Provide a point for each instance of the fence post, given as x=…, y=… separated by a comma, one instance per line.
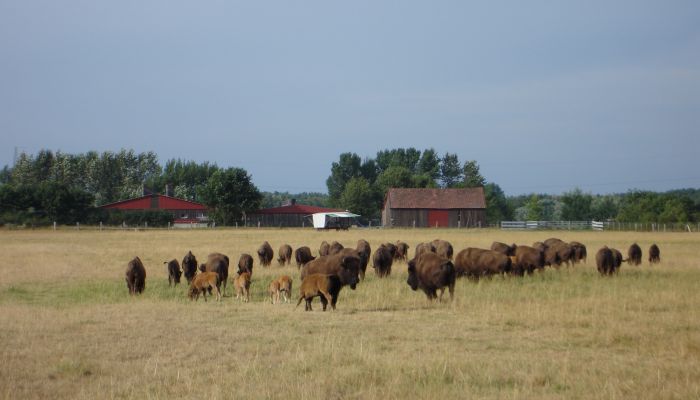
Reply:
x=168, y=225
x=54, y=225
x=145, y=224
x=100, y=226
x=77, y=225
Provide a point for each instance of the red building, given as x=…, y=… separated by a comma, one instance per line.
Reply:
x=444, y=208
x=289, y=215
x=184, y=211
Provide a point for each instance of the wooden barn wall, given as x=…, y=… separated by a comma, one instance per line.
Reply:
x=404, y=217
x=279, y=220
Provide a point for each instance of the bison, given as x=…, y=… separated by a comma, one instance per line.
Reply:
x=242, y=285
x=617, y=258
x=504, y=248
x=579, y=252
x=302, y=255
x=335, y=248
x=217, y=262
x=245, y=264
x=475, y=263
x=382, y=261
x=284, y=255
x=364, y=250
x=654, y=254
x=174, y=272
x=324, y=249
x=206, y=281
x=423, y=248
x=431, y=272
x=605, y=261
x=189, y=266
x=344, y=265
x=527, y=259
x=443, y=248
x=320, y=285
x=265, y=254
x=634, y=254
x=135, y=276
x=401, y=251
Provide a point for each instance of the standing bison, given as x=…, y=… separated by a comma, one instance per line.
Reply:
x=382, y=261
x=605, y=261
x=265, y=254
x=423, y=248
x=401, y=251
x=527, y=259
x=345, y=266
x=654, y=254
x=634, y=254
x=364, y=250
x=174, y=272
x=217, y=262
x=245, y=264
x=335, y=248
x=302, y=255
x=135, y=276
x=579, y=252
x=284, y=255
x=189, y=266
x=430, y=273
x=475, y=263
x=324, y=249
x=504, y=248
x=443, y=248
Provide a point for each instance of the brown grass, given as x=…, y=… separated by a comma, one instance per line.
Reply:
x=69, y=329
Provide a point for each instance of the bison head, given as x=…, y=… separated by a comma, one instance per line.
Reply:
x=412, y=276
x=203, y=267
x=192, y=292
x=350, y=271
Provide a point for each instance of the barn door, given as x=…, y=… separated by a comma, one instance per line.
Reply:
x=438, y=218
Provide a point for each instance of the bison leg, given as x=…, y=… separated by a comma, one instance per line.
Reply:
x=308, y=304
x=218, y=293
x=324, y=302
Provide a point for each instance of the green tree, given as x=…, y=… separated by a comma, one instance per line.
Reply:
x=496, y=204
x=394, y=177
x=576, y=206
x=429, y=164
x=230, y=193
x=534, y=209
x=359, y=198
x=472, y=176
x=604, y=208
x=348, y=167
x=450, y=170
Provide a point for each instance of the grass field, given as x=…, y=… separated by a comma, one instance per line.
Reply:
x=69, y=329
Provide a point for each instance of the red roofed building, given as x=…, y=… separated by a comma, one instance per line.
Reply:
x=184, y=211
x=289, y=215
x=453, y=208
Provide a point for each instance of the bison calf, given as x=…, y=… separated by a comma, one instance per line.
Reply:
x=319, y=285
x=135, y=276
x=242, y=285
x=206, y=281
x=174, y=272
x=283, y=286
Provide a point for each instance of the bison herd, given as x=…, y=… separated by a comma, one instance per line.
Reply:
x=432, y=269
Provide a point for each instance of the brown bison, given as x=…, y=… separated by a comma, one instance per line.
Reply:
x=401, y=251
x=564, y=253
x=504, y=248
x=654, y=254
x=302, y=255
x=284, y=255
x=382, y=261
x=617, y=258
x=206, y=281
x=189, y=266
x=265, y=254
x=242, y=285
x=423, y=248
x=364, y=250
x=475, y=263
x=335, y=248
x=634, y=254
x=579, y=252
x=324, y=249
x=320, y=285
x=245, y=264
x=527, y=259
x=174, y=272
x=443, y=248
x=605, y=261
x=135, y=276
x=217, y=262
x=344, y=265
x=551, y=241
x=431, y=272
x=283, y=286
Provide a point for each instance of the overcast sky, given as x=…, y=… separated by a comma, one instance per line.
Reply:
x=545, y=95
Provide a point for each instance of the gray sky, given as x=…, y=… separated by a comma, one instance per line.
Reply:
x=545, y=95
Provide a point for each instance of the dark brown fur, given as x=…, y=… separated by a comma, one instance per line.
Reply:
x=580, y=253
x=504, y=248
x=174, y=272
x=401, y=251
x=527, y=260
x=217, y=262
x=382, y=261
x=135, y=276
x=265, y=254
x=245, y=264
x=605, y=261
x=475, y=263
x=302, y=255
x=443, y=248
x=284, y=255
x=364, y=250
x=430, y=273
x=344, y=265
x=189, y=266
x=654, y=254
x=634, y=254
x=335, y=248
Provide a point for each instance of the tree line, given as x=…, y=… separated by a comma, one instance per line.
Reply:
x=68, y=188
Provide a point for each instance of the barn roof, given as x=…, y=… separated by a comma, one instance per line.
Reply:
x=436, y=198
x=155, y=201
x=295, y=209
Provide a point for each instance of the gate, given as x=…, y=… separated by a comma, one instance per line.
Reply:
x=438, y=218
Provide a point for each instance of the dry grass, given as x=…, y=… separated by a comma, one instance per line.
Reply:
x=69, y=329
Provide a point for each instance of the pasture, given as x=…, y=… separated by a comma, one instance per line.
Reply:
x=69, y=329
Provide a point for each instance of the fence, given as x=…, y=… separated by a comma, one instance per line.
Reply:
x=600, y=226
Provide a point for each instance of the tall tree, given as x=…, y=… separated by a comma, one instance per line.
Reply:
x=394, y=177
x=231, y=194
x=576, y=206
x=534, y=209
x=429, y=164
x=348, y=167
x=450, y=170
x=472, y=176
x=358, y=197
x=496, y=204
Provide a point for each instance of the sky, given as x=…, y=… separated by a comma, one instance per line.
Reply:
x=545, y=95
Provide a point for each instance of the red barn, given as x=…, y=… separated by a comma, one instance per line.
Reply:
x=445, y=208
x=184, y=211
